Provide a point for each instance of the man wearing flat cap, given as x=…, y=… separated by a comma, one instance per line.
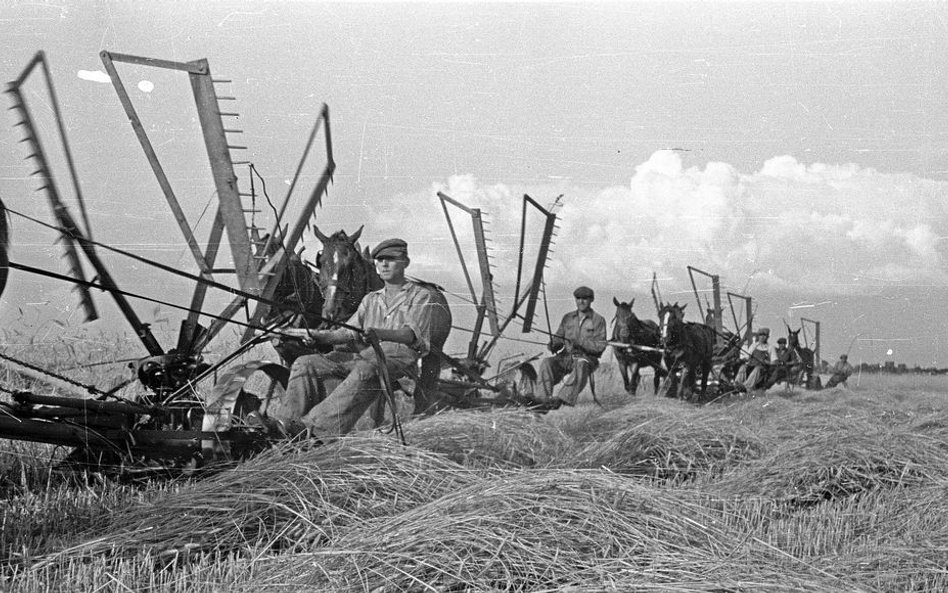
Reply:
x=410, y=320
x=758, y=359
x=841, y=372
x=781, y=366
x=577, y=345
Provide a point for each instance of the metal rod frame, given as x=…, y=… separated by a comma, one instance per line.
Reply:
x=486, y=305
x=715, y=294
x=817, y=361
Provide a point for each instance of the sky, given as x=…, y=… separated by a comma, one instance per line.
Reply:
x=799, y=151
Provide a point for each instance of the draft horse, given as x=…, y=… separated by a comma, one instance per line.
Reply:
x=688, y=352
x=629, y=329
x=298, y=303
x=346, y=274
x=800, y=361
x=313, y=299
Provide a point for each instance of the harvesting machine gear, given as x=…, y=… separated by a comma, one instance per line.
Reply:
x=173, y=425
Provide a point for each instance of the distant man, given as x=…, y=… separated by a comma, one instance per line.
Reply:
x=757, y=361
x=781, y=350
x=577, y=345
x=781, y=368
x=841, y=372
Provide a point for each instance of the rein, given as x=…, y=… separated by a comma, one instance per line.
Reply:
x=360, y=279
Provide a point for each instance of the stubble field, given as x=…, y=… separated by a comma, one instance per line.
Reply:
x=838, y=490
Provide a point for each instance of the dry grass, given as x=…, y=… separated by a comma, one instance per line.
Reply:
x=507, y=438
x=542, y=530
x=293, y=496
x=841, y=490
x=842, y=460
x=670, y=449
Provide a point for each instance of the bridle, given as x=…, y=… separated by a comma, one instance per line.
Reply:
x=338, y=285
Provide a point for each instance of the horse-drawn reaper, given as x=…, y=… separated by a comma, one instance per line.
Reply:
x=192, y=411
x=796, y=368
x=688, y=352
x=682, y=352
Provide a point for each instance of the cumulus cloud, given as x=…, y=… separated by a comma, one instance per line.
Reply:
x=811, y=228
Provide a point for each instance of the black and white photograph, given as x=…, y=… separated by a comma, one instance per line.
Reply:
x=473, y=296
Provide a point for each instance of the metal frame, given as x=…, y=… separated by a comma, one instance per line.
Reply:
x=533, y=289
x=817, y=360
x=131, y=430
x=257, y=273
x=715, y=294
x=530, y=295
x=71, y=234
x=748, y=315
x=486, y=303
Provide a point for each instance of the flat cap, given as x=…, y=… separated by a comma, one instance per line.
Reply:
x=391, y=248
x=782, y=341
x=764, y=331
x=583, y=292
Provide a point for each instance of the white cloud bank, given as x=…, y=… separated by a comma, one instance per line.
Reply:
x=814, y=228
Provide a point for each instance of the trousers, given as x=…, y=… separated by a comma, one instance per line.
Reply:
x=575, y=369
x=323, y=414
x=751, y=377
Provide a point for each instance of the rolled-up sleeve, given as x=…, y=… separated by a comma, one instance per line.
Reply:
x=422, y=310
x=357, y=320
x=419, y=317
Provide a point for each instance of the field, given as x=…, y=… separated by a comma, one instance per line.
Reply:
x=838, y=490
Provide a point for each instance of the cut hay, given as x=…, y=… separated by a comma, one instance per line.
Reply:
x=502, y=438
x=757, y=412
x=849, y=525
x=541, y=530
x=669, y=448
x=294, y=495
x=841, y=460
x=895, y=540
x=909, y=566
x=776, y=419
x=592, y=423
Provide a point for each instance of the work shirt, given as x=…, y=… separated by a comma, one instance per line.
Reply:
x=412, y=307
x=587, y=331
x=760, y=352
x=843, y=368
x=782, y=354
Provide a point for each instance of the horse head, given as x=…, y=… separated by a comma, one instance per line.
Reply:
x=345, y=274
x=298, y=291
x=671, y=319
x=793, y=339
x=624, y=319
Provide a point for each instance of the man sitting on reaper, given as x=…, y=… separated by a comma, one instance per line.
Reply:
x=577, y=345
x=400, y=315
